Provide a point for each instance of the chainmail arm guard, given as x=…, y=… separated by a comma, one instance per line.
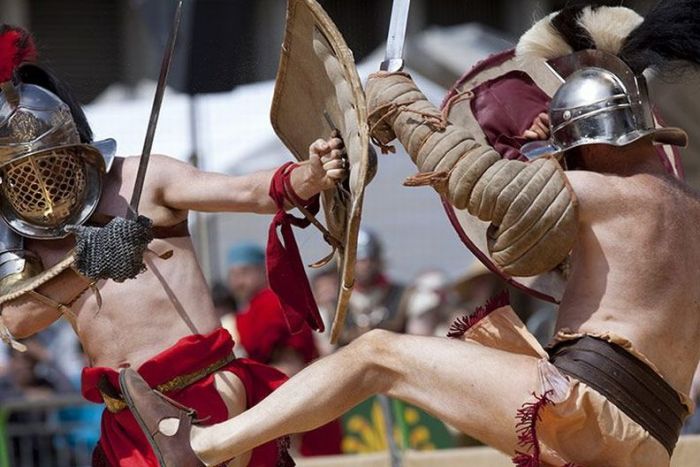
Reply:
x=530, y=205
x=114, y=251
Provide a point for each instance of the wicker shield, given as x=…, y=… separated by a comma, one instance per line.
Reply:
x=497, y=100
x=317, y=92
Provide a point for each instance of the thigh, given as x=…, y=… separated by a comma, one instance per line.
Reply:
x=232, y=393
x=475, y=388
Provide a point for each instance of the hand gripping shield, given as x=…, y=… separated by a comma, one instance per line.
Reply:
x=318, y=91
x=497, y=101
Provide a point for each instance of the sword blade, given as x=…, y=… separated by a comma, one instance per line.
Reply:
x=393, y=60
x=155, y=112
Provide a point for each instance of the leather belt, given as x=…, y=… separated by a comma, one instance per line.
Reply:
x=627, y=382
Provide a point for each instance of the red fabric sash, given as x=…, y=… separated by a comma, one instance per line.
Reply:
x=122, y=442
x=285, y=270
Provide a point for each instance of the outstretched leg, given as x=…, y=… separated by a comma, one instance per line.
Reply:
x=475, y=388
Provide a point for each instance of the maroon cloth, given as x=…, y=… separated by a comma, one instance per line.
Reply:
x=285, y=270
x=263, y=330
x=123, y=444
x=505, y=107
x=325, y=440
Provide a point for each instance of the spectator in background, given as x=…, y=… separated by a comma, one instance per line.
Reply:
x=64, y=352
x=426, y=303
x=692, y=423
x=262, y=331
x=225, y=306
x=325, y=285
x=472, y=290
x=246, y=272
x=4, y=369
x=376, y=301
x=36, y=373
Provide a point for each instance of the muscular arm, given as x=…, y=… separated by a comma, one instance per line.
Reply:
x=25, y=316
x=180, y=186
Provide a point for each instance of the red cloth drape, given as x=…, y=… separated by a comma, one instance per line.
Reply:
x=285, y=270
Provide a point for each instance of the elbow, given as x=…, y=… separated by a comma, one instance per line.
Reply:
x=19, y=328
x=19, y=321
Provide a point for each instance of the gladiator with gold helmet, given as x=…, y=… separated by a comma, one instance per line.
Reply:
x=557, y=174
x=132, y=288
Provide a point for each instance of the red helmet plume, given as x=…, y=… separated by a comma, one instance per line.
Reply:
x=16, y=47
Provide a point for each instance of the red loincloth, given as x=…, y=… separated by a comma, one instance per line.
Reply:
x=122, y=441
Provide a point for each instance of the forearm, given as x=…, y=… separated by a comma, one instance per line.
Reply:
x=210, y=192
x=26, y=315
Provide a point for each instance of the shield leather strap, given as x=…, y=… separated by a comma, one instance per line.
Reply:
x=464, y=106
x=317, y=82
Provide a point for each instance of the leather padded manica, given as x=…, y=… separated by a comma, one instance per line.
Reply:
x=530, y=205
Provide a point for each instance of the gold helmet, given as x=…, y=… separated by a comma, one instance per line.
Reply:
x=49, y=178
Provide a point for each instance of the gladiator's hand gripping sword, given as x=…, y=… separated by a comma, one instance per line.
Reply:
x=116, y=250
x=393, y=61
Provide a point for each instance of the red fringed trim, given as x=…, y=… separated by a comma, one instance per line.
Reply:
x=463, y=324
x=528, y=416
x=284, y=459
x=16, y=47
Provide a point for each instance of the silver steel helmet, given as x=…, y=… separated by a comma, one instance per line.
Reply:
x=369, y=246
x=49, y=179
x=602, y=101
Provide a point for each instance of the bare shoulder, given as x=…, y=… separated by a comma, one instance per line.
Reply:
x=164, y=173
x=594, y=191
x=162, y=170
x=591, y=186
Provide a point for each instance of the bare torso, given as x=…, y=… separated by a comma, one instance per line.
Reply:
x=636, y=268
x=139, y=318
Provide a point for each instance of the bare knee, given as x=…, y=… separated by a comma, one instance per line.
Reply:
x=375, y=342
x=377, y=352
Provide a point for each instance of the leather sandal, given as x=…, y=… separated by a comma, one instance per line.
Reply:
x=150, y=408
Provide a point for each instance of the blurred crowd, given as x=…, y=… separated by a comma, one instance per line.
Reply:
x=249, y=310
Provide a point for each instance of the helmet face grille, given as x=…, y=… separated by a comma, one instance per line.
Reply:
x=47, y=188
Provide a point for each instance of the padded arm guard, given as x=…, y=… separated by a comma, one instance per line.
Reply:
x=530, y=205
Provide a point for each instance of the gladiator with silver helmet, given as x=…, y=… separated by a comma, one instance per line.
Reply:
x=572, y=65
